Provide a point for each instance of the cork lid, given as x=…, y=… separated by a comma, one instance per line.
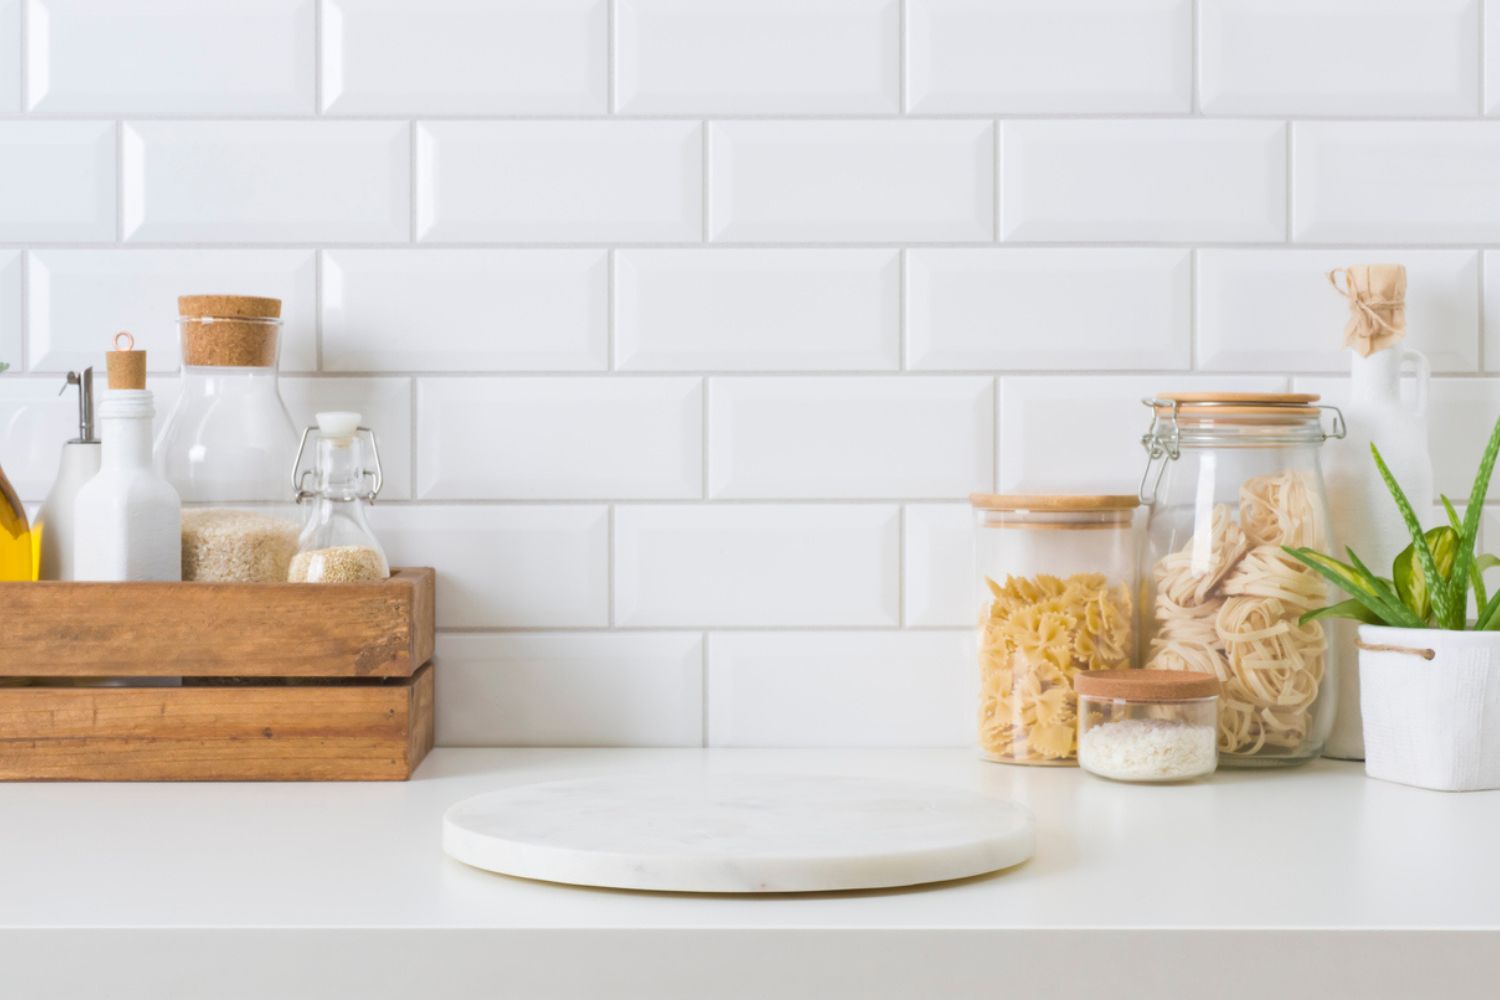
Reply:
x=1056, y=502
x=126, y=366
x=1210, y=405
x=228, y=307
x=1146, y=685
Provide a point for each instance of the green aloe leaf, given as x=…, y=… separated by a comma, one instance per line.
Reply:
x=1456, y=598
x=1411, y=582
x=1489, y=615
x=1476, y=572
x=1436, y=584
x=1362, y=584
x=1352, y=608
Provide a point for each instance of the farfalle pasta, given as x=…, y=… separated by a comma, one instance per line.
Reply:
x=1035, y=635
x=1228, y=603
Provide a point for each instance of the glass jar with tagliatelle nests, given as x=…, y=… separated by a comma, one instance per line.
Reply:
x=1056, y=579
x=1232, y=479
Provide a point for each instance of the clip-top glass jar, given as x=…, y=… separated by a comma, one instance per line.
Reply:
x=1056, y=577
x=336, y=545
x=229, y=440
x=1231, y=478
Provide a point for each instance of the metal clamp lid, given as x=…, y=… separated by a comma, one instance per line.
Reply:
x=299, y=475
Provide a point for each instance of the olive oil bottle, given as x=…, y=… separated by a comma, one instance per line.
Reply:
x=17, y=557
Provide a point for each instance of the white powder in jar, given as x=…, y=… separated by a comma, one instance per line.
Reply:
x=1148, y=750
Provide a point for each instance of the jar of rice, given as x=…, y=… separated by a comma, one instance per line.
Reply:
x=1056, y=579
x=1231, y=478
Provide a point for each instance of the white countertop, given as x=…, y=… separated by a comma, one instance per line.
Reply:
x=325, y=890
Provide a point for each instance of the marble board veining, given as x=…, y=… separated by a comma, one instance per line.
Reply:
x=749, y=833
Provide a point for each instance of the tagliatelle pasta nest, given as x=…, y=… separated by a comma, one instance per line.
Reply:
x=1228, y=603
x=1037, y=633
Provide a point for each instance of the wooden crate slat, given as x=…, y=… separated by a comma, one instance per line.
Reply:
x=219, y=733
x=52, y=629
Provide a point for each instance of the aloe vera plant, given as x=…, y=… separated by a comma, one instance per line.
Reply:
x=1430, y=580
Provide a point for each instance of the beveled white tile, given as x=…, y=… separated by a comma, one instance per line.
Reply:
x=34, y=423
x=757, y=56
x=559, y=181
x=464, y=56
x=57, y=181
x=1049, y=56
x=1383, y=182
x=266, y=182
x=559, y=438
x=1048, y=308
x=570, y=689
x=853, y=689
x=10, y=308
x=853, y=180
x=1082, y=434
x=171, y=56
x=1147, y=181
x=1273, y=310
x=1339, y=57
x=465, y=310
x=384, y=405
x=1491, y=325
x=769, y=310
x=730, y=565
x=849, y=437
x=505, y=567
x=10, y=65
x=77, y=299
x=939, y=565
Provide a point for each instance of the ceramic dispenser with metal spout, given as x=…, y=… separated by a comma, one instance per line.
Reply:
x=55, y=528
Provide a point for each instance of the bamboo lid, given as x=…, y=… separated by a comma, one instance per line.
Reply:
x=228, y=306
x=1207, y=405
x=126, y=366
x=1059, y=502
x=1146, y=685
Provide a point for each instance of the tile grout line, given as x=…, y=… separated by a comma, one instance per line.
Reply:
x=119, y=138
x=318, y=57
x=412, y=192
x=1193, y=309
x=609, y=57
x=901, y=566
x=1288, y=194
x=318, y=314
x=416, y=450
x=704, y=148
x=903, y=97
x=610, y=286
x=705, y=653
x=609, y=567
x=1195, y=100
x=1479, y=354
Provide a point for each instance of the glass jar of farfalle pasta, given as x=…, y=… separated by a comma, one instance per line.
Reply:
x=1056, y=579
x=1232, y=478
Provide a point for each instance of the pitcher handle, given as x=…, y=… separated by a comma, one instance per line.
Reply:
x=1422, y=373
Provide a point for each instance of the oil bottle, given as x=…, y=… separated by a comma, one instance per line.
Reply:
x=17, y=558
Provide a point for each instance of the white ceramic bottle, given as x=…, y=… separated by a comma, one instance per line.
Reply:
x=1365, y=518
x=129, y=519
x=81, y=457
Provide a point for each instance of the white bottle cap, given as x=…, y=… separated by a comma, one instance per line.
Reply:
x=338, y=423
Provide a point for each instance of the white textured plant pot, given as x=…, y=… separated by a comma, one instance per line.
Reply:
x=1432, y=722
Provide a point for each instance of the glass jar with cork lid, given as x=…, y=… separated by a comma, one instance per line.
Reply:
x=1056, y=579
x=229, y=442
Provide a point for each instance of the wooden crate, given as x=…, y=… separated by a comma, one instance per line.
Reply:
x=280, y=682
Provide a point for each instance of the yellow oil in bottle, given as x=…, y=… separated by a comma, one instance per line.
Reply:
x=17, y=558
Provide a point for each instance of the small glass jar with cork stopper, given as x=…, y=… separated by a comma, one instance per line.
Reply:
x=229, y=441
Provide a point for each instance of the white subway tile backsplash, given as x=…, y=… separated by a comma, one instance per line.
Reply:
x=10, y=64
x=852, y=689
x=57, y=181
x=1491, y=331
x=1273, y=310
x=570, y=689
x=736, y=565
x=559, y=438
x=1380, y=182
x=849, y=437
x=465, y=310
x=757, y=56
x=10, y=308
x=938, y=565
x=769, y=310
x=464, y=56
x=266, y=182
x=77, y=299
x=1339, y=57
x=384, y=405
x=559, y=181
x=1049, y=56
x=171, y=56
x=851, y=181
x=1147, y=181
x=1048, y=308
x=506, y=567
x=1082, y=434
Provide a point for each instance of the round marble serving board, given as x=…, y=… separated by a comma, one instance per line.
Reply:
x=708, y=832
